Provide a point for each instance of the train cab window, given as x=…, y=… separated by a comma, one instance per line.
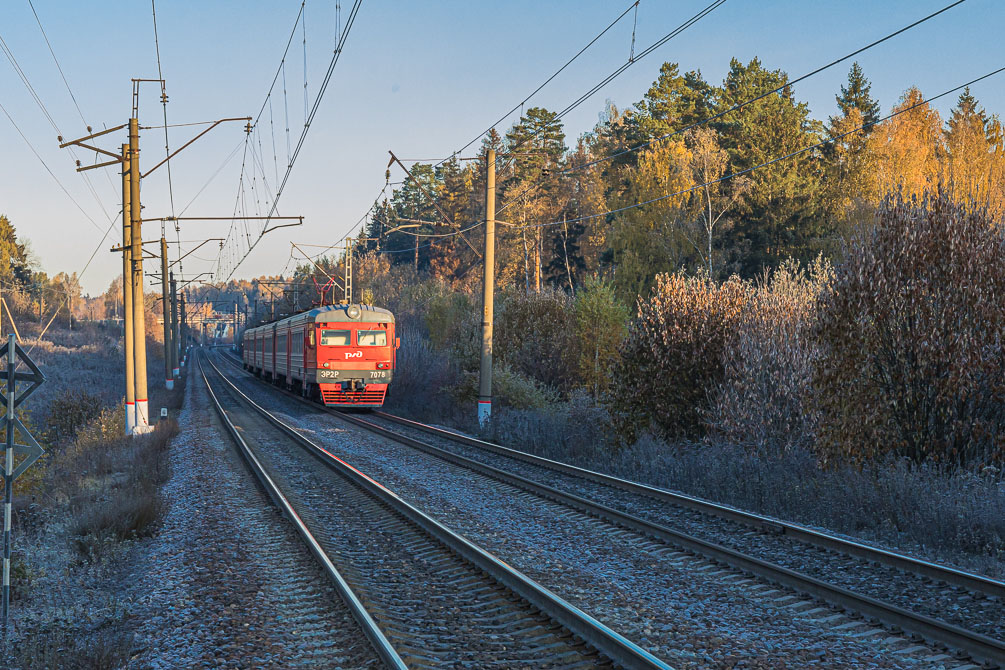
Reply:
x=335, y=338
x=372, y=338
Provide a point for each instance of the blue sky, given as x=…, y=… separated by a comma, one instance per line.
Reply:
x=420, y=78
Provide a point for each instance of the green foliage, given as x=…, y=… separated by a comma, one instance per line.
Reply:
x=857, y=95
x=454, y=324
x=674, y=101
x=601, y=324
x=15, y=268
x=510, y=389
x=779, y=216
x=913, y=337
x=539, y=136
x=672, y=360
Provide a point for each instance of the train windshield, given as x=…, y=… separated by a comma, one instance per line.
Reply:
x=372, y=338
x=335, y=338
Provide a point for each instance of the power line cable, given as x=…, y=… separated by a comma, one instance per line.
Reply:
x=310, y=118
x=773, y=91
x=708, y=9
x=47, y=169
x=514, y=199
x=41, y=105
x=549, y=79
x=793, y=154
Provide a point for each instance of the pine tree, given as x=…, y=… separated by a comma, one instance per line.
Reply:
x=856, y=95
x=673, y=102
x=539, y=135
x=780, y=214
x=14, y=264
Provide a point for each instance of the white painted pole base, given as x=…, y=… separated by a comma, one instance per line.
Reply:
x=142, y=418
x=484, y=412
x=169, y=384
x=130, y=418
x=176, y=373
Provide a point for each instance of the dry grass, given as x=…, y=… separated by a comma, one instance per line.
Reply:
x=65, y=648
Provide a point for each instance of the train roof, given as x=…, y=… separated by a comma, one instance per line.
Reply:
x=336, y=314
x=367, y=314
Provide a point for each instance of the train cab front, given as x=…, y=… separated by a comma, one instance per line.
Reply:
x=355, y=358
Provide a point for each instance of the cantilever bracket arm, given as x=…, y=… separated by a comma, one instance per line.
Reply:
x=225, y=218
x=175, y=152
x=449, y=222
x=63, y=145
x=311, y=261
x=211, y=239
x=84, y=168
x=284, y=225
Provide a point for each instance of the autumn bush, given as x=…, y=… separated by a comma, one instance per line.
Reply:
x=672, y=359
x=766, y=397
x=70, y=411
x=913, y=338
x=534, y=336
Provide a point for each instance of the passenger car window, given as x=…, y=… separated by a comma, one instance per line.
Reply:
x=372, y=338
x=335, y=338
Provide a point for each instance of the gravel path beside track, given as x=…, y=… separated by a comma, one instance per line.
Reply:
x=227, y=583
x=684, y=609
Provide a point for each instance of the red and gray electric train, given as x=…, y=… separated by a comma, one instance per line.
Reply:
x=342, y=355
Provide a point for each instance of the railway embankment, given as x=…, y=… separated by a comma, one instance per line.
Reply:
x=154, y=551
x=82, y=510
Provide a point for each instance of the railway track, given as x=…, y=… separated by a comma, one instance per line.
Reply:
x=947, y=607
x=424, y=596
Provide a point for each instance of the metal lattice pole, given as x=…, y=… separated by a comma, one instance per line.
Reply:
x=8, y=476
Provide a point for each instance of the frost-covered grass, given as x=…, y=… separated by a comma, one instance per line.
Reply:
x=949, y=516
x=83, y=505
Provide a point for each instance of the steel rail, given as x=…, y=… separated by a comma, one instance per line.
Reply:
x=979, y=646
x=604, y=639
x=967, y=580
x=955, y=576
x=380, y=643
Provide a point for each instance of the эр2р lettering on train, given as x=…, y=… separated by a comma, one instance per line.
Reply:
x=342, y=355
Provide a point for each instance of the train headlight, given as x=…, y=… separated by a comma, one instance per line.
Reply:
x=352, y=311
x=325, y=364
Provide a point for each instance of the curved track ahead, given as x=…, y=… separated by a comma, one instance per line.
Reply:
x=938, y=603
x=425, y=596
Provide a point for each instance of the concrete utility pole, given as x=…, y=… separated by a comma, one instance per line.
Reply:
x=127, y=293
x=235, y=323
x=184, y=326
x=488, y=292
x=166, y=312
x=175, y=328
x=348, y=271
x=139, y=322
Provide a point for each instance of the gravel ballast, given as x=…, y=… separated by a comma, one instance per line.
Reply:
x=227, y=583
x=681, y=608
